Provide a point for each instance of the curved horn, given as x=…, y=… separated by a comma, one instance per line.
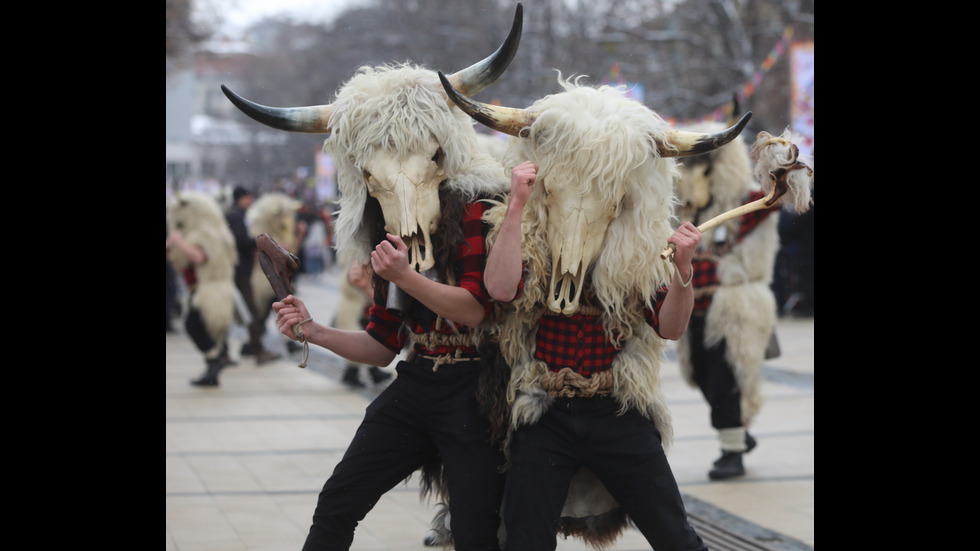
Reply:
x=508, y=120
x=313, y=119
x=694, y=143
x=481, y=74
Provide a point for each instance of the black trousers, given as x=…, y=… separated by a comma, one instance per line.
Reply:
x=422, y=415
x=715, y=377
x=625, y=453
x=198, y=332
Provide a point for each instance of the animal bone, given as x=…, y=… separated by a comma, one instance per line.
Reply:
x=780, y=186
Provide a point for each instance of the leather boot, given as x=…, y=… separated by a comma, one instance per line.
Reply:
x=210, y=377
x=263, y=356
x=729, y=465
x=226, y=360
x=352, y=377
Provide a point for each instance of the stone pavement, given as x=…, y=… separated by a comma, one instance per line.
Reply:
x=246, y=460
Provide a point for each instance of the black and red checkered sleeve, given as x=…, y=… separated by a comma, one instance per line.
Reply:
x=652, y=316
x=383, y=326
x=471, y=256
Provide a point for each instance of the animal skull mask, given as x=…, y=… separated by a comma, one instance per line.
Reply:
x=694, y=186
x=576, y=227
x=407, y=188
x=579, y=212
x=405, y=183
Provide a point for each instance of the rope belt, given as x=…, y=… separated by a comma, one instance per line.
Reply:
x=448, y=359
x=435, y=339
x=569, y=384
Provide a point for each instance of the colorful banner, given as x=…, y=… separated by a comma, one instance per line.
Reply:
x=748, y=89
x=326, y=186
x=801, y=94
x=634, y=90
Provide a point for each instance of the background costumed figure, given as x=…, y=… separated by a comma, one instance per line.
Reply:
x=273, y=214
x=735, y=310
x=202, y=249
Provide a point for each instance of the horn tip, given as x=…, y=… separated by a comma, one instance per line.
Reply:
x=447, y=85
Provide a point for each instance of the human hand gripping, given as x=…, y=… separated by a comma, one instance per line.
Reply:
x=389, y=259
x=289, y=312
x=522, y=179
x=684, y=242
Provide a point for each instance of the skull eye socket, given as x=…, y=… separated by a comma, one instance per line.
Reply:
x=438, y=156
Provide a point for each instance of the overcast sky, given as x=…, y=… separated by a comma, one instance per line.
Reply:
x=239, y=14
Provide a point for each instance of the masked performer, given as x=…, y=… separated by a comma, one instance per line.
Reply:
x=734, y=309
x=202, y=248
x=590, y=305
x=411, y=180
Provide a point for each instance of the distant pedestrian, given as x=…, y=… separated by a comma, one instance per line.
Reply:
x=356, y=298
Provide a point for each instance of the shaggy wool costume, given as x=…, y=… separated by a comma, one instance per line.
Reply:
x=410, y=165
x=735, y=308
x=738, y=305
x=598, y=214
x=622, y=279
x=211, y=302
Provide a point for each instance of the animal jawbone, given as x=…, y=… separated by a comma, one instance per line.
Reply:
x=420, y=251
x=564, y=293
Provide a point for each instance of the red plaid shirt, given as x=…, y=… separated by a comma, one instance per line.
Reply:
x=579, y=341
x=705, y=262
x=471, y=257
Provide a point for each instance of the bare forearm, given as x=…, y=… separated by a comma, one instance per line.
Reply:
x=675, y=312
x=453, y=303
x=356, y=346
x=504, y=263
